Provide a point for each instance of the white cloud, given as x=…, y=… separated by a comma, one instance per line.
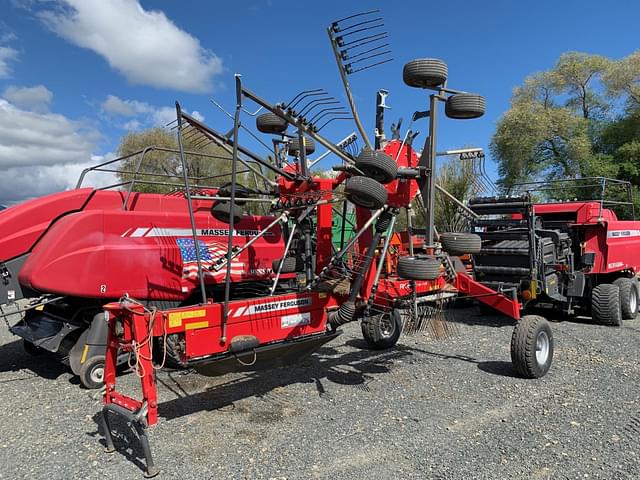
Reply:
x=7, y=55
x=144, y=45
x=141, y=114
x=37, y=99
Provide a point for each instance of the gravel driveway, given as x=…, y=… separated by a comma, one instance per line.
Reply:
x=447, y=409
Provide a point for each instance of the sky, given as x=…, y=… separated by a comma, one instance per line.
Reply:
x=76, y=75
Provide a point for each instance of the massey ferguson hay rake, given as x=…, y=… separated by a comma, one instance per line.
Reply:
x=385, y=280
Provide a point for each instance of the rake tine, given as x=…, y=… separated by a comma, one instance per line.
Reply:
x=379, y=54
x=317, y=103
x=369, y=39
x=363, y=29
x=342, y=112
x=358, y=24
x=331, y=120
x=370, y=66
x=345, y=56
x=318, y=115
x=304, y=94
x=377, y=10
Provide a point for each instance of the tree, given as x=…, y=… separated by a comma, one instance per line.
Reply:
x=623, y=79
x=158, y=164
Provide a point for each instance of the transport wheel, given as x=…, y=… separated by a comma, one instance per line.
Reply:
x=309, y=146
x=365, y=192
x=271, y=123
x=241, y=191
x=461, y=243
x=628, y=297
x=532, y=346
x=425, y=73
x=289, y=265
x=222, y=211
x=605, y=304
x=382, y=330
x=418, y=268
x=377, y=165
x=92, y=372
x=464, y=105
x=32, y=349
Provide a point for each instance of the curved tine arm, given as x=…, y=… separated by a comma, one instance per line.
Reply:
x=290, y=103
x=321, y=113
x=333, y=101
x=310, y=93
x=315, y=100
x=332, y=119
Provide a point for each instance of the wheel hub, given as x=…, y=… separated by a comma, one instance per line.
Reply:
x=542, y=348
x=97, y=374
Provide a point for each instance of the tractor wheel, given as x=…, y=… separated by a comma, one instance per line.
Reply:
x=32, y=349
x=377, y=165
x=241, y=191
x=222, y=211
x=365, y=192
x=382, y=330
x=92, y=372
x=532, y=346
x=289, y=265
x=271, y=123
x=294, y=146
x=464, y=105
x=605, y=304
x=418, y=268
x=628, y=297
x=461, y=243
x=425, y=73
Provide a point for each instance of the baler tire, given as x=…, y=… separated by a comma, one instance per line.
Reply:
x=425, y=73
x=32, y=349
x=289, y=265
x=92, y=372
x=605, y=304
x=417, y=268
x=271, y=123
x=463, y=106
x=382, y=330
x=294, y=146
x=628, y=297
x=532, y=346
x=377, y=165
x=366, y=192
x=222, y=211
x=456, y=243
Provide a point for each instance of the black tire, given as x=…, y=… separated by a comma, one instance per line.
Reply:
x=222, y=211
x=92, y=372
x=294, y=146
x=628, y=297
x=377, y=165
x=382, y=330
x=425, y=73
x=289, y=265
x=532, y=346
x=32, y=349
x=418, y=268
x=365, y=192
x=271, y=123
x=461, y=243
x=463, y=106
x=605, y=304
x=241, y=191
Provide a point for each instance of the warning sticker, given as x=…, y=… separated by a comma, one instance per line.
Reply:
x=295, y=320
x=176, y=318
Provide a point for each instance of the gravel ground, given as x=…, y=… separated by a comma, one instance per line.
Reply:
x=448, y=409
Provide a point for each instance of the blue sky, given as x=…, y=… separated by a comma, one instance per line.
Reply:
x=75, y=75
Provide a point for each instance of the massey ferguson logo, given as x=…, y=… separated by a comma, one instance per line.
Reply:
x=273, y=306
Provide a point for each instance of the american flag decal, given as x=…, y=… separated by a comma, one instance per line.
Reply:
x=210, y=252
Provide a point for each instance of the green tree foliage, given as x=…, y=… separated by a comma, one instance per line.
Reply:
x=567, y=122
x=157, y=164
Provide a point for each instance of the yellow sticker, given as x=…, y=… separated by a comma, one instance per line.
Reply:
x=322, y=295
x=175, y=318
x=195, y=325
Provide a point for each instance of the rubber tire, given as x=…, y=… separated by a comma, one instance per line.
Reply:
x=457, y=243
x=32, y=349
x=365, y=192
x=89, y=372
x=628, y=289
x=241, y=191
x=271, y=123
x=377, y=165
x=523, y=346
x=462, y=106
x=289, y=265
x=222, y=211
x=294, y=146
x=605, y=304
x=417, y=268
x=373, y=334
x=425, y=73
